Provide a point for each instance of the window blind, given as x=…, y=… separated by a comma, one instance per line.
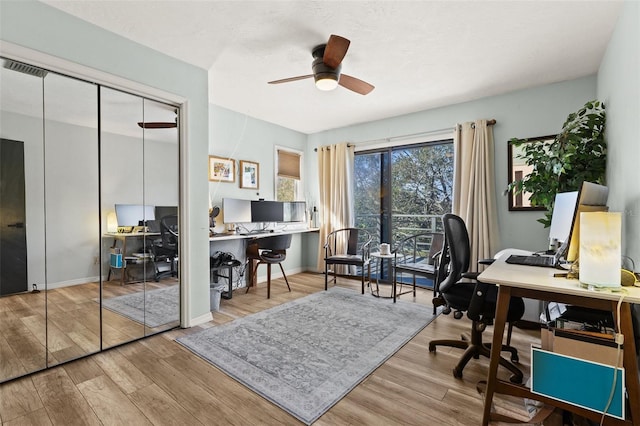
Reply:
x=288, y=164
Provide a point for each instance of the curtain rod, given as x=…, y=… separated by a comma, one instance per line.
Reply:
x=490, y=122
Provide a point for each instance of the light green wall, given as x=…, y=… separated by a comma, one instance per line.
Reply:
x=240, y=137
x=532, y=112
x=619, y=88
x=42, y=28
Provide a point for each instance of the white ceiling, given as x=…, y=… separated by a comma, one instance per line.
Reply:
x=418, y=54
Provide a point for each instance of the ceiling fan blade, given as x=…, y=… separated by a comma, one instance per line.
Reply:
x=335, y=50
x=157, y=125
x=355, y=84
x=286, y=80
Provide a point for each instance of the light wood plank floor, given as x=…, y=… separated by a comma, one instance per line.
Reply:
x=157, y=381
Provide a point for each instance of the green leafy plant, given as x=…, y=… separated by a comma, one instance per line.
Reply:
x=578, y=153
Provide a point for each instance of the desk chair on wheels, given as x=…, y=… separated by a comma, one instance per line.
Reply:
x=165, y=250
x=347, y=246
x=268, y=251
x=461, y=292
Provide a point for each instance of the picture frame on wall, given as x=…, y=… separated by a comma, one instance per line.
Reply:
x=222, y=169
x=249, y=174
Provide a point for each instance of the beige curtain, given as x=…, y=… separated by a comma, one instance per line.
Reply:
x=474, y=196
x=336, y=174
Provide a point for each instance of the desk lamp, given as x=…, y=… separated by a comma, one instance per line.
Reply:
x=600, y=248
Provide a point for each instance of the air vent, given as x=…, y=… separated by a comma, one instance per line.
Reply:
x=24, y=68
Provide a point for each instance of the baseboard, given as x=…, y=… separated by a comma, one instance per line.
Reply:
x=204, y=318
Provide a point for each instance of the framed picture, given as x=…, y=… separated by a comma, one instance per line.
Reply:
x=518, y=169
x=222, y=169
x=249, y=174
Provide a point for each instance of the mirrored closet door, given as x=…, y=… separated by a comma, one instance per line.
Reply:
x=87, y=260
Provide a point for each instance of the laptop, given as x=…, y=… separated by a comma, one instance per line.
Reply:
x=537, y=259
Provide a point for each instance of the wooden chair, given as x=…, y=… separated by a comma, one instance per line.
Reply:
x=268, y=251
x=347, y=246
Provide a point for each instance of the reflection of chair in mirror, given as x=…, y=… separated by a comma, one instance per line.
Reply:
x=268, y=251
x=418, y=256
x=460, y=291
x=348, y=246
x=165, y=250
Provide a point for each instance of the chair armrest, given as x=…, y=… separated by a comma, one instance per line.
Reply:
x=476, y=305
x=486, y=261
x=470, y=275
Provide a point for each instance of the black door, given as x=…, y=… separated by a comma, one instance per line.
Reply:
x=13, y=235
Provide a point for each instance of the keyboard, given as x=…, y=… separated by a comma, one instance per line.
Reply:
x=548, y=261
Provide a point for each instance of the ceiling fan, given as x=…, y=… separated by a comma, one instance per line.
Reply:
x=159, y=124
x=327, y=63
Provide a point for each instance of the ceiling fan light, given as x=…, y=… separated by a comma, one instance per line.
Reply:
x=326, y=82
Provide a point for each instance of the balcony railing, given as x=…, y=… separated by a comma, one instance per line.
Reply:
x=402, y=225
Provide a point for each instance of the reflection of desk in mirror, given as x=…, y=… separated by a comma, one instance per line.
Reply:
x=120, y=263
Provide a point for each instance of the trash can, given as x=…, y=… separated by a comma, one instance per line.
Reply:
x=215, y=291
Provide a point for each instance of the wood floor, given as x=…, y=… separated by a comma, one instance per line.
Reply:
x=69, y=326
x=157, y=381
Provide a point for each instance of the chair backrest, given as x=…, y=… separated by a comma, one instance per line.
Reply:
x=169, y=231
x=458, y=249
x=354, y=239
x=422, y=247
x=276, y=242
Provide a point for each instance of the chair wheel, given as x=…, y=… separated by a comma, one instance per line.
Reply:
x=432, y=348
x=457, y=314
x=457, y=374
x=446, y=310
x=515, y=378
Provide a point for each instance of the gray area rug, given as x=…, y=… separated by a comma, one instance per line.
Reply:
x=305, y=355
x=152, y=307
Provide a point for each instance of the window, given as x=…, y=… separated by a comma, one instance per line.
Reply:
x=288, y=174
x=403, y=190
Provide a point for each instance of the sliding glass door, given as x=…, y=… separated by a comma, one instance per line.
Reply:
x=401, y=191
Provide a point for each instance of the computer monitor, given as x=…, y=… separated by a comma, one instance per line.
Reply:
x=133, y=214
x=294, y=211
x=236, y=211
x=267, y=211
x=591, y=198
x=564, y=207
x=162, y=211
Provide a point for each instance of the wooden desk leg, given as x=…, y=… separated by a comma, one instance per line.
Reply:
x=124, y=262
x=629, y=361
x=502, y=307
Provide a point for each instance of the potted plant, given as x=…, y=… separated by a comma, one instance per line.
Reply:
x=578, y=153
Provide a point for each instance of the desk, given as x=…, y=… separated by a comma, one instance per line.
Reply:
x=245, y=237
x=539, y=283
x=123, y=237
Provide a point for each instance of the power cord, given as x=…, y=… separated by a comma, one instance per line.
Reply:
x=619, y=339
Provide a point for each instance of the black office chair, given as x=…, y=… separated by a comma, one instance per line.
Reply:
x=418, y=255
x=347, y=246
x=269, y=251
x=165, y=250
x=461, y=291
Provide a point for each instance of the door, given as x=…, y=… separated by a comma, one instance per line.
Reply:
x=13, y=236
x=403, y=190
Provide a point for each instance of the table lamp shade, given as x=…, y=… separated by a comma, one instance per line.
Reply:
x=600, y=248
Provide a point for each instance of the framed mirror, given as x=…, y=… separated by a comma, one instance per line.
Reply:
x=518, y=169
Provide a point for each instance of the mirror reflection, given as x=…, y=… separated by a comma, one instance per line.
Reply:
x=518, y=169
x=22, y=281
x=63, y=293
